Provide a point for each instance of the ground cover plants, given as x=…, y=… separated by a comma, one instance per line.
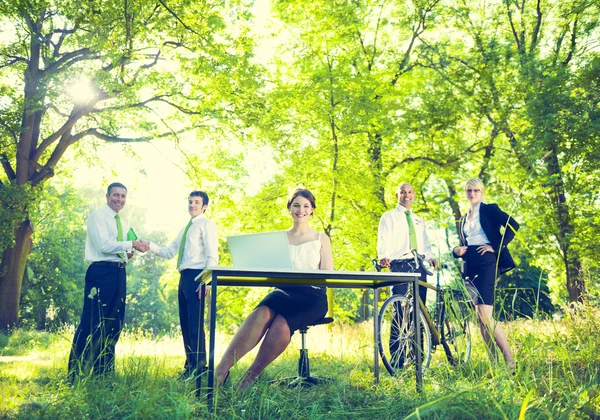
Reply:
x=558, y=376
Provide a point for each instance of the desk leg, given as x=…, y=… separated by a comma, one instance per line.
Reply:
x=376, y=334
x=201, y=325
x=419, y=356
x=212, y=329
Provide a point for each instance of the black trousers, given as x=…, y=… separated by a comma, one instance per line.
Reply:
x=399, y=266
x=189, y=319
x=99, y=328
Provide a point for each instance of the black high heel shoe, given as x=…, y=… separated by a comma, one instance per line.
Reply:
x=226, y=378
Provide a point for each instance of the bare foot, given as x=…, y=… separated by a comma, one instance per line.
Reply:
x=248, y=379
x=511, y=365
x=220, y=379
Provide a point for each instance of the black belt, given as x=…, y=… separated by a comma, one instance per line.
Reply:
x=115, y=264
x=405, y=260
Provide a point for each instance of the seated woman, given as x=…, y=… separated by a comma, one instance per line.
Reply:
x=484, y=233
x=284, y=310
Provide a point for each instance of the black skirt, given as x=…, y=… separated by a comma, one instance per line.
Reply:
x=482, y=273
x=300, y=306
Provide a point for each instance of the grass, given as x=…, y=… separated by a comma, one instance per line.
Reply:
x=557, y=377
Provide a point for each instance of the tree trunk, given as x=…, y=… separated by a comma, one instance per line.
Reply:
x=453, y=203
x=41, y=317
x=11, y=278
x=376, y=163
x=575, y=284
x=365, y=305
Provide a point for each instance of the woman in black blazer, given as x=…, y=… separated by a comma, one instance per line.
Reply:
x=484, y=233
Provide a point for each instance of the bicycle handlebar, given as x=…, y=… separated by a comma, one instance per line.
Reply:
x=419, y=262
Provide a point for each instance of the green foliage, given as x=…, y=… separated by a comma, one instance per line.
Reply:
x=365, y=97
x=14, y=202
x=151, y=301
x=24, y=341
x=355, y=99
x=74, y=73
x=523, y=293
x=53, y=284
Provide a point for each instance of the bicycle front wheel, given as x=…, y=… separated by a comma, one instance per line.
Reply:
x=457, y=332
x=396, y=334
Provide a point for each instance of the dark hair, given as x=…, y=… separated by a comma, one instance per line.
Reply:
x=302, y=192
x=202, y=194
x=115, y=184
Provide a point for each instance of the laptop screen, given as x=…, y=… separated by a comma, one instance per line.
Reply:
x=260, y=250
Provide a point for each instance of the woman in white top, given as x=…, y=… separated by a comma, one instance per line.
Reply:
x=284, y=310
x=484, y=233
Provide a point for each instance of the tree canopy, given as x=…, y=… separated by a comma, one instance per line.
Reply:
x=354, y=98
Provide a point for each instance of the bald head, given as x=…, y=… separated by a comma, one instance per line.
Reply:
x=405, y=195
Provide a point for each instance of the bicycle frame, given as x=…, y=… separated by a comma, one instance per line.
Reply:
x=440, y=325
x=436, y=332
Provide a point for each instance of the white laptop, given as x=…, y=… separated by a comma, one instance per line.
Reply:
x=260, y=250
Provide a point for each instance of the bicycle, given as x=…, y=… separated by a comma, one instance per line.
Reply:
x=447, y=326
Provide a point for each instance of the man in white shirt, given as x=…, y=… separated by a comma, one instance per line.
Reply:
x=107, y=249
x=197, y=247
x=401, y=231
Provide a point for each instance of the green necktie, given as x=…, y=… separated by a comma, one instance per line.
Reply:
x=411, y=231
x=182, y=244
x=119, y=233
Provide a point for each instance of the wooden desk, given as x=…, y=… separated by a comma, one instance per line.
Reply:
x=229, y=276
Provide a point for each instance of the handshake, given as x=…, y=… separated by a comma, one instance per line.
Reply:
x=141, y=245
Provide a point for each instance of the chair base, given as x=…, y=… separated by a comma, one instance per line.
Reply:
x=304, y=379
x=302, y=382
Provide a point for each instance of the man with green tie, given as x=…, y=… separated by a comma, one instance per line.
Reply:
x=400, y=231
x=107, y=249
x=197, y=248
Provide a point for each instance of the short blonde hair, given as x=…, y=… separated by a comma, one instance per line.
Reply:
x=475, y=183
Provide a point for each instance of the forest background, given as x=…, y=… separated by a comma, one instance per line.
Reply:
x=249, y=100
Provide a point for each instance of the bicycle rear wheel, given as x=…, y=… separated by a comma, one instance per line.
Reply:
x=396, y=334
x=457, y=331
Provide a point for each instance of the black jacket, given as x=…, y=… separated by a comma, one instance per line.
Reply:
x=492, y=219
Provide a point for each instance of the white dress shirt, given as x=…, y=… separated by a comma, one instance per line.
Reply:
x=472, y=228
x=101, y=241
x=201, y=245
x=393, y=240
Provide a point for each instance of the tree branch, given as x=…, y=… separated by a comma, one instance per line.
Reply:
x=10, y=130
x=436, y=162
x=8, y=169
x=159, y=98
x=573, y=43
x=403, y=67
x=147, y=66
x=15, y=59
x=76, y=113
x=538, y=25
x=520, y=47
x=178, y=18
x=58, y=111
x=176, y=45
x=63, y=34
x=115, y=139
x=68, y=59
